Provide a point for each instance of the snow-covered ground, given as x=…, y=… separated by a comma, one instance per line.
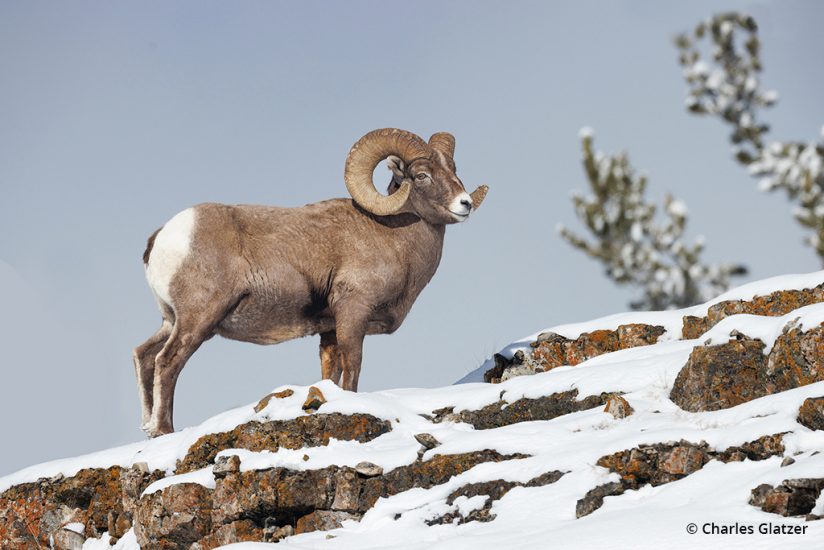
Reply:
x=542, y=517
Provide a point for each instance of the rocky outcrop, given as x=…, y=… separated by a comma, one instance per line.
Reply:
x=792, y=497
x=667, y=462
x=811, y=413
x=726, y=375
x=503, y=413
x=106, y=500
x=552, y=350
x=771, y=305
x=101, y=500
x=265, y=505
x=304, y=431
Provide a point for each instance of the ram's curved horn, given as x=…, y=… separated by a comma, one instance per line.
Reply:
x=478, y=196
x=365, y=155
x=443, y=142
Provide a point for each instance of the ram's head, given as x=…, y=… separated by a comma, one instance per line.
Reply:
x=424, y=181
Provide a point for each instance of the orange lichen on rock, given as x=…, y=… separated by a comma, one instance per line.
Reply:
x=618, y=407
x=304, y=431
x=314, y=400
x=274, y=395
x=552, y=350
x=811, y=413
x=771, y=305
x=725, y=375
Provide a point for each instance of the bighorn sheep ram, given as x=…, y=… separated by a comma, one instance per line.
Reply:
x=340, y=268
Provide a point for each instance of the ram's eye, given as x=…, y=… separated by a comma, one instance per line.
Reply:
x=422, y=176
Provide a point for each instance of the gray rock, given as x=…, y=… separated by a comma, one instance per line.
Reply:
x=367, y=469
x=225, y=465
x=427, y=440
x=595, y=498
x=66, y=539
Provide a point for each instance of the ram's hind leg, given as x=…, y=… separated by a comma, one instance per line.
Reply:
x=190, y=330
x=144, y=366
x=330, y=363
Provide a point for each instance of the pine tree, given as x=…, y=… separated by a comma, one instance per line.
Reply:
x=636, y=249
x=729, y=87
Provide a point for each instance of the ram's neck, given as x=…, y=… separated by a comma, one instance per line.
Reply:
x=426, y=245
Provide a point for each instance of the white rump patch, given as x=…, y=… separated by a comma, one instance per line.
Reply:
x=171, y=246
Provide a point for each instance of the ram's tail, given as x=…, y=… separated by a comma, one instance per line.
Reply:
x=149, y=246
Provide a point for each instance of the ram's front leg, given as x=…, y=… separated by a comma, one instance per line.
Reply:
x=330, y=364
x=351, y=320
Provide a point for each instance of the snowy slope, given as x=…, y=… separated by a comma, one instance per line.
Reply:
x=670, y=320
x=652, y=517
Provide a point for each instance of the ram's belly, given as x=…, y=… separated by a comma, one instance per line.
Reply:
x=269, y=321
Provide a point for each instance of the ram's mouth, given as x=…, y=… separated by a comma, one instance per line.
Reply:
x=459, y=217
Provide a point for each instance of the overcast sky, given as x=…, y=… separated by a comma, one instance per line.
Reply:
x=116, y=115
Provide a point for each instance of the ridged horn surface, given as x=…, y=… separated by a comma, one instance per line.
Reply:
x=365, y=155
x=478, y=196
x=443, y=142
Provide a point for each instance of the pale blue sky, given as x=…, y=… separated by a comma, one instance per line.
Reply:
x=116, y=115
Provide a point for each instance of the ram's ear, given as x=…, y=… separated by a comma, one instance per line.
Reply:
x=396, y=166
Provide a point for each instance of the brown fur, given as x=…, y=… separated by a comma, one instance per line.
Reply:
x=266, y=274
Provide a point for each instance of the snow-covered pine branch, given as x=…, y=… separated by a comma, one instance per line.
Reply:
x=634, y=248
x=726, y=84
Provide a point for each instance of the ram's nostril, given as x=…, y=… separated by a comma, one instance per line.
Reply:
x=466, y=202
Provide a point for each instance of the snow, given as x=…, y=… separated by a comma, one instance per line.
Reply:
x=652, y=517
x=766, y=329
x=127, y=542
x=76, y=527
x=203, y=477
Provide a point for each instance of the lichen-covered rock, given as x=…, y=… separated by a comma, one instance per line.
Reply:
x=323, y=520
x=523, y=410
x=101, y=499
x=305, y=431
x=368, y=469
x=667, y=462
x=772, y=305
x=279, y=493
x=274, y=395
x=722, y=376
x=793, y=497
x=552, y=350
x=656, y=464
x=174, y=517
x=314, y=400
x=68, y=539
x=796, y=359
x=238, y=531
x=811, y=413
x=618, y=407
x=265, y=505
x=225, y=465
x=762, y=448
x=693, y=327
